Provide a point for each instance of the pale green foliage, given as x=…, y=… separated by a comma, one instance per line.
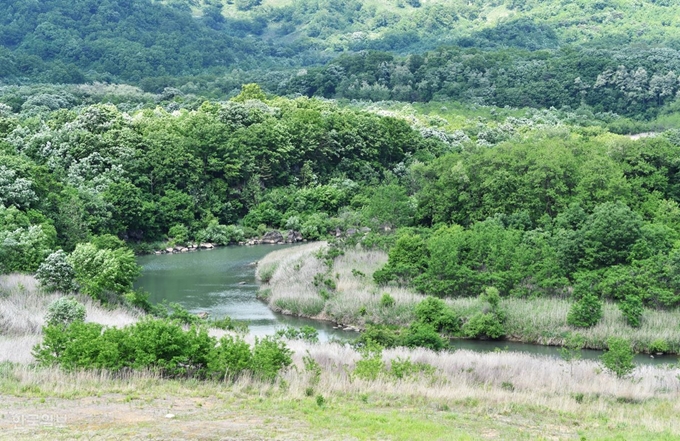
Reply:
x=220, y=234
x=100, y=271
x=65, y=310
x=23, y=249
x=56, y=273
x=15, y=190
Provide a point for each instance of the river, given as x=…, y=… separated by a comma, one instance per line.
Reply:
x=222, y=283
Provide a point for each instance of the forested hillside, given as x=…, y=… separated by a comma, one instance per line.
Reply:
x=488, y=134
x=615, y=56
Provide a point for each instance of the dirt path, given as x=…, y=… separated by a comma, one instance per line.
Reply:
x=120, y=417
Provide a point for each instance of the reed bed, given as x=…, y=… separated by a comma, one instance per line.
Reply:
x=484, y=384
x=356, y=300
x=288, y=278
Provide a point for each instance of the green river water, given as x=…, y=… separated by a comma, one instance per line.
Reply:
x=222, y=283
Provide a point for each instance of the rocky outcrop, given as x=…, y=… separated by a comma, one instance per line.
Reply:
x=293, y=236
x=272, y=237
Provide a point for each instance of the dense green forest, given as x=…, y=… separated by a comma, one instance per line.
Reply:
x=484, y=132
x=616, y=56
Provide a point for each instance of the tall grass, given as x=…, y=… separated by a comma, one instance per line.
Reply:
x=356, y=301
x=544, y=321
x=23, y=306
x=484, y=383
x=355, y=298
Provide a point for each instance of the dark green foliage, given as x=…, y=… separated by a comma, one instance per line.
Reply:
x=619, y=357
x=407, y=259
x=488, y=322
x=631, y=308
x=422, y=335
x=585, y=312
x=379, y=334
x=484, y=325
x=435, y=312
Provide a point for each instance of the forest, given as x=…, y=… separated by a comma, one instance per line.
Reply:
x=488, y=170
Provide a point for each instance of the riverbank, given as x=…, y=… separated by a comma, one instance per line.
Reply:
x=466, y=395
x=299, y=281
x=331, y=391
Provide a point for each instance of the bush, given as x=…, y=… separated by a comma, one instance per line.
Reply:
x=231, y=358
x=56, y=273
x=423, y=335
x=179, y=234
x=632, y=309
x=65, y=311
x=435, y=312
x=163, y=346
x=371, y=365
x=484, y=325
x=386, y=301
x=619, y=357
x=404, y=368
x=270, y=355
x=489, y=322
x=220, y=234
x=378, y=334
x=658, y=346
x=99, y=271
x=585, y=312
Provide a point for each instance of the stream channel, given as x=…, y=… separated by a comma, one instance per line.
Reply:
x=222, y=283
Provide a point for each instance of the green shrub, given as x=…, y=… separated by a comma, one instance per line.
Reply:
x=619, y=357
x=99, y=271
x=228, y=324
x=404, y=368
x=270, y=355
x=231, y=358
x=371, y=364
x=380, y=334
x=632, y=310
x=423, y=335
x=484, y=325
x=163, y=346
x=659, y=345
x=179, y=313
x=179, y=234
x=386, y=301
x=64, y=311
x=56, y=273
x=585, y=312
x=435, y=312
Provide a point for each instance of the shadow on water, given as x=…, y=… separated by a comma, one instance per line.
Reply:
x=222, y=283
